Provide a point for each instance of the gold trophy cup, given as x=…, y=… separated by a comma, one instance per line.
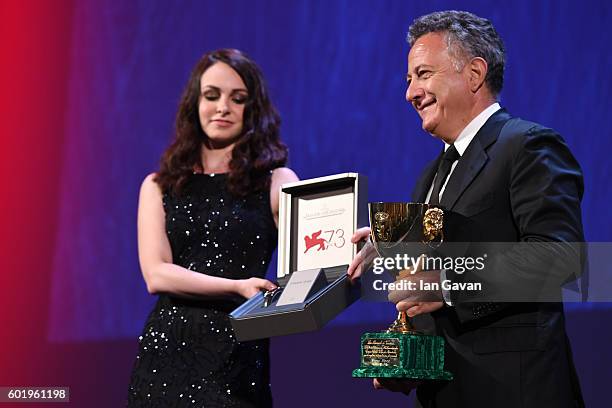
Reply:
x=401, y=351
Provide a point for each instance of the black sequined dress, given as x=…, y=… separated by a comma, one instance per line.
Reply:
x=188, y=356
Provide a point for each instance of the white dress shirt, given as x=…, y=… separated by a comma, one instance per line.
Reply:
x=461, y=144
x=463, y=141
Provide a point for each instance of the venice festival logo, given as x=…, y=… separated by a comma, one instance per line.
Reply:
x=314, y=240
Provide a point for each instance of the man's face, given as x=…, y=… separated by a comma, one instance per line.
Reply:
x=439, y=93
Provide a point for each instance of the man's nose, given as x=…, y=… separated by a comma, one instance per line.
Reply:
x=414, y=92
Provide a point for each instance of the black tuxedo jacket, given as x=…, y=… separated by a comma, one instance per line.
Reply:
x=516, y=181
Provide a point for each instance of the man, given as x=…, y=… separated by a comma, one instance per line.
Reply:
x=514, y=181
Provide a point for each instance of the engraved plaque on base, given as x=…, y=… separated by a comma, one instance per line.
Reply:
x=408, y=354
x=401, y=351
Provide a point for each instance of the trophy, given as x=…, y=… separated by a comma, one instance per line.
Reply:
x=402, y=351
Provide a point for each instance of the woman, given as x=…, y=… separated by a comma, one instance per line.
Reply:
x=206, y=232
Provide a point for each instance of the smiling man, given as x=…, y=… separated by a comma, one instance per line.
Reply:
x=515, y=181
x=447, y=89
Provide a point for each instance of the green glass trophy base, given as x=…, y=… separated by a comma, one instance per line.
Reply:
x=413, y=374
x=402, y=352
x=402, y=355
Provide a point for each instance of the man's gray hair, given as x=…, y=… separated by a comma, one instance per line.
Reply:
x=467, y=36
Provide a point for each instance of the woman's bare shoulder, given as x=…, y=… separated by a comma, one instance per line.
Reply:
x=283, y=175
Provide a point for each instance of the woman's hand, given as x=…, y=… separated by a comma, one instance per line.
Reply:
x=248, y=288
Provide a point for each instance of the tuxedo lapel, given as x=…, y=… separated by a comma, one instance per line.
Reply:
x=473, y=159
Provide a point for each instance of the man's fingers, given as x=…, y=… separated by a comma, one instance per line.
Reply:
x=377, y=385
x=416, y=308
x=414, y=311
x=356, y=273
x=362, y=261
x=404, y=305
x=353, y=268
x=355, y=263
x=411, y=308
x=360, y=234
x=398, y=296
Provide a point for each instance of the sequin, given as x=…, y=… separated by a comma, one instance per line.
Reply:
x=189, y=345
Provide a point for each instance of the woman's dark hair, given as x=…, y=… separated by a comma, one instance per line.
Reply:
x=258, y=149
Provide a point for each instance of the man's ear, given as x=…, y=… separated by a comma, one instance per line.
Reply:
x=477, y=71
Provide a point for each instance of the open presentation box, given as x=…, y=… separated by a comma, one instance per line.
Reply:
x=317, y=218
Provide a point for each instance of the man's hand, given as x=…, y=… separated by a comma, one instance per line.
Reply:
x=416, y=308
x=395, y=385
x=364, y=258
x=419, y=297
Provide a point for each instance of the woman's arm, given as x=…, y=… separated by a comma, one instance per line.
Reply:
x=280, y=176
x=155, y=256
